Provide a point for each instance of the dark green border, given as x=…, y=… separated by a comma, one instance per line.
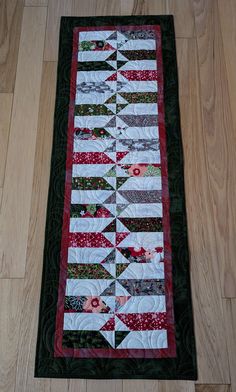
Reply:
x=183, y=367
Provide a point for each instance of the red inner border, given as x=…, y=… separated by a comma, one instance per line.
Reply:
x=60, y=351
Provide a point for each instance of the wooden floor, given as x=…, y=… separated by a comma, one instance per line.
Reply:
x=206, y=49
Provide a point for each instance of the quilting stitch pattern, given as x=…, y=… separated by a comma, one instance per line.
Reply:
x=115, y=276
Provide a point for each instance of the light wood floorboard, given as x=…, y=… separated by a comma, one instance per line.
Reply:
x=104, y=385
x=10, y=27
x=211, y=340
x=158, y=386
x=36, y=3
x=5, y=116
x=184, y=17
x=213, y=388
x=17, y=188
x=29, y=318
x=219, y=141
x=10, y=309
x=230, y=323
x=150, y=7
x=0, y=199
x=226, y=21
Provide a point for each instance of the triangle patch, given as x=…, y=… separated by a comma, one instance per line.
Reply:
x=120, y=259
x=120, y=237
x=121, y=57
x=120, y=64
x=110, y=290
x=112, y=63
x=111, y=155
x=113, y=77
x=111, y=258
x=112, y=107
x=113, y=36
x=111, y=172
x=110, y=237
x=120, y=199
x=111, y=208
x=119, y=337
x=120, y=155
x=112, y=45
x=120, y=268
x=111, y=199
x=110, y=302
x=109, y=326
x=120, y=123
x=109, y=336
x=120, y=107
x=120, y=208
x=110, y=227
x=111, y=122
x=111, y=268
x=111, y=147
x=113, y=57
x=120, y=181
x=111, y=181
x=121, y=77
x=120, y=290
x=112, y=99
x=121, y=301
x=120, y=227
x=120, y=326
x=120, y=99
x=121, y=37
x=121, y=44
x=106, y=46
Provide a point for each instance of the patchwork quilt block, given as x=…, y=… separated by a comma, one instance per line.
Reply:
x=114, y=297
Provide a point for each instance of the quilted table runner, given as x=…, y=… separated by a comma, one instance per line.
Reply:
x=116, y=299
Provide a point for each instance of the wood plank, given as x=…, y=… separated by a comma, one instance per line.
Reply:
x=36, y=3
x=176, y=386
x=25, y=380
x=104, y=385
x=5, y=115
x=183, y=17
x=10, y=310
x=55, y=10
x=149, y=7
x=140, y=385
x=21, y=148
x=230, y=323
x=206, y=293
x=0, y=199
x=77, y=386
x=157, y=386
x=59, y=385
x=102, y=8
x=10, y=27
x=212, y=388
x=219, y=140
x=91, y=8
x=227, y=17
